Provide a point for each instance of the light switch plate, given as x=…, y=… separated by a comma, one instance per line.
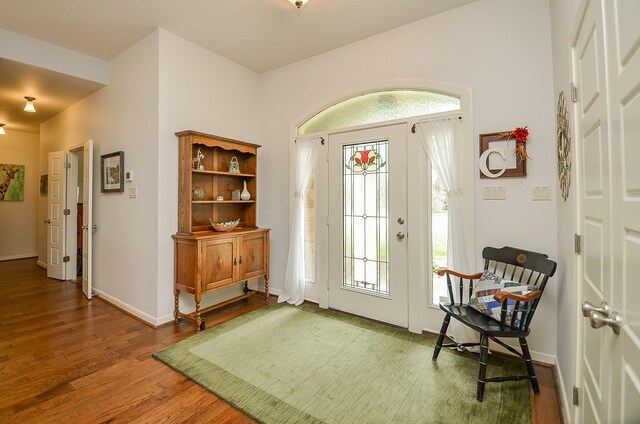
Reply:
x=133, y=192
x=494, y=193
x=541, y=193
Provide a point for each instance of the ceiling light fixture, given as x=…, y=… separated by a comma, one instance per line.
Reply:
x=29, y=107
x=2, y=129
x=298, y=3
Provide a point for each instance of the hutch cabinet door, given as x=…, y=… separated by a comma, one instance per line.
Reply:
x=219, y=262
x=252, y=255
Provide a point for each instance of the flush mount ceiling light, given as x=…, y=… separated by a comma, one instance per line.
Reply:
x=29, y=107
x=298, y=3
x=2, y=129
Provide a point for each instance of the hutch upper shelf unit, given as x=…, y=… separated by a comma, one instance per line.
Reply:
x=205, y=259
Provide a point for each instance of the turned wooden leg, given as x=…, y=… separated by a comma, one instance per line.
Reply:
x=443, y=333
x=484, y=358
x=266, y=289
x=529, y=363
x=176, y=308
x=246, y=287
x=199, y=321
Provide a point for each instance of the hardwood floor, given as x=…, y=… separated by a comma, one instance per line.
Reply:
x=66, y=359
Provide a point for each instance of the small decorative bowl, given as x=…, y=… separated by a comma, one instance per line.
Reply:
x=224, y=226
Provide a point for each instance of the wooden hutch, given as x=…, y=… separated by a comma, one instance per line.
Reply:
x=205, y=259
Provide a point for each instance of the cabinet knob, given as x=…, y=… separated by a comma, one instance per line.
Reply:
x=235, y=261
x=240, y=260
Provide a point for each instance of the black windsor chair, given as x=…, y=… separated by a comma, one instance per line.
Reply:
x=525, y=267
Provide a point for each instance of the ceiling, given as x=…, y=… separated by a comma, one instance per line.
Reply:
x=261, y=35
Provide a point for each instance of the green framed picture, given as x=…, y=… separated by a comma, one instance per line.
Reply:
x=11, y=182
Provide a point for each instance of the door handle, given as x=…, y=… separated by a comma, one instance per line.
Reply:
x=47, y=221
x=599, y=320
x=240, y=260
x=588, y=308
x=95, y=226
x=400, y=235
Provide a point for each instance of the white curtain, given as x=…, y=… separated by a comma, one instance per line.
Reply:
x=306, y=150
x=442, y=140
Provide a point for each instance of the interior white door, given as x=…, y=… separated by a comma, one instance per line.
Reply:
x=606, y=68
x=367, y=228
x=622, y=35
x=56, y=221
x=87, y=218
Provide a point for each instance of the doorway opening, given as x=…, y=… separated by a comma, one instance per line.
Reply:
x=69, y=206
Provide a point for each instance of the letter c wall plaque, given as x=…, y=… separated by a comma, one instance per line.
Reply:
x=484, y=162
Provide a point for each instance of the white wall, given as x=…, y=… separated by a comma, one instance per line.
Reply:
x=200, y=91
x=38, y=53
x=563, y=15
x=121, y=116
x=508, y=67
x=18, y=219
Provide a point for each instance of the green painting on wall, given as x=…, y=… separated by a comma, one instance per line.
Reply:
x=11, y=182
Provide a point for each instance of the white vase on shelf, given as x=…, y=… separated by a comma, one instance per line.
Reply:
x=245, y=195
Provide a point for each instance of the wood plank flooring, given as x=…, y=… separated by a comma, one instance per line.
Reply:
x=68, y=360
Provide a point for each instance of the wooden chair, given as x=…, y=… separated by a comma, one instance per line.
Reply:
x=527, y=268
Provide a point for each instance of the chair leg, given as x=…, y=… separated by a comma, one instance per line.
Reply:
x=529, y=363
x=484, y=358
x=443, y=332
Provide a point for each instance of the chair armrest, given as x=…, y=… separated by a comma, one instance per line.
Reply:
x=443, y=271
x=501, y=296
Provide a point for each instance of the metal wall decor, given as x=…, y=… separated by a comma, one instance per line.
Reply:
x=564, y=146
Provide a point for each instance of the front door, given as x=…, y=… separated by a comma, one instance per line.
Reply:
x=606, y=67
x=367, y=223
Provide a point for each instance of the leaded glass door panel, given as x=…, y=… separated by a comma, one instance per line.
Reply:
x=367, y=223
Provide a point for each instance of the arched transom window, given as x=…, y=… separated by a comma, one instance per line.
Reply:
x=379, y=106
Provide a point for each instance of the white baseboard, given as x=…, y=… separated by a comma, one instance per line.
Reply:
x=41, y=264
x=23, y=256
x=564, y=400
x=165, y=318
x=126, y=307
x=536, y=356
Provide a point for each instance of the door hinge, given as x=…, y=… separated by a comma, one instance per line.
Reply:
x=66, y=212
x=67, y=165
x=66, y=259
x=574, y=93
x=575, y=396
x=577, y=244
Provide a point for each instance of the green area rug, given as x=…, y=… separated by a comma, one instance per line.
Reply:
x=284, y=364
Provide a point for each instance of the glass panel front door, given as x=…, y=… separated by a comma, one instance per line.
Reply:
x=367, y=223
x=366, y=216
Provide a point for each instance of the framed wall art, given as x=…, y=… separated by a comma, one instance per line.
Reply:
x=11, y=182
x=44, y=184
x=111, y=173
x=497, y=158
